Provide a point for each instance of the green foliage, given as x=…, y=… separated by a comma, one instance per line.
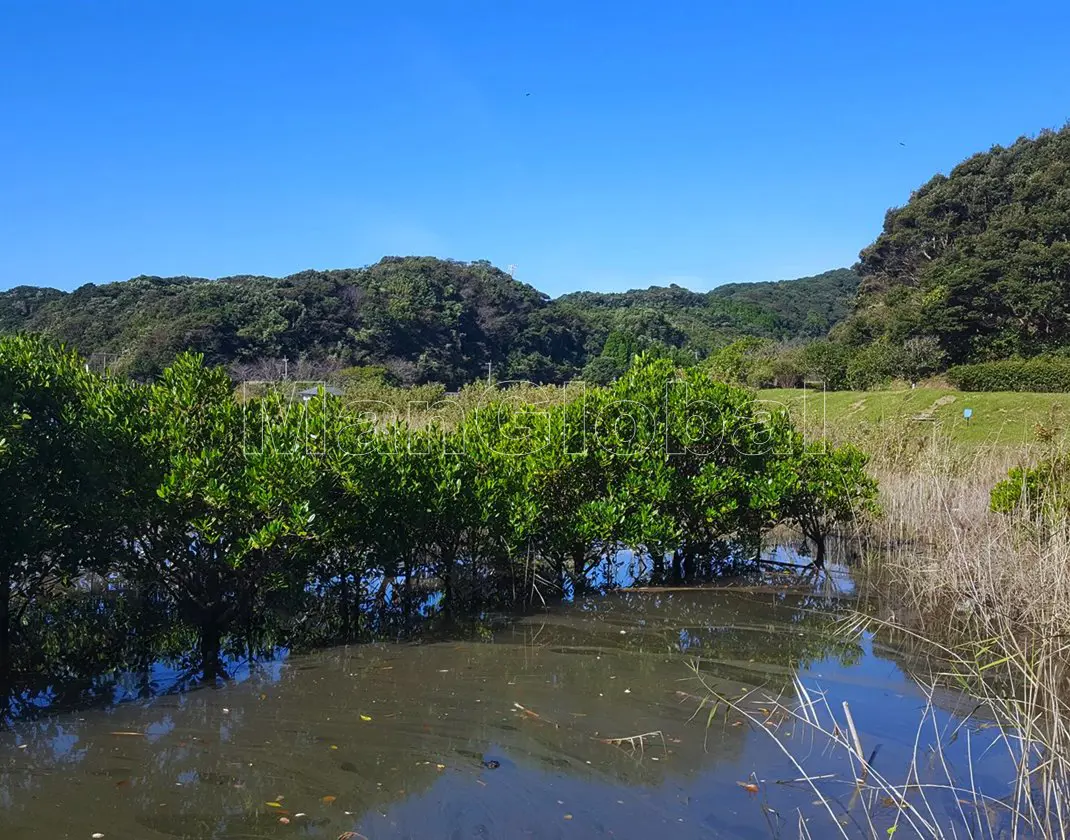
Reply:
x=840, y=366
x=63, y=472
x=920, y=357
x=827, y=362
x=234, y=513
x=417, y=319
x=232, y=484
x=1041, y=491
x=1040, y=375
x=872, y=366
x=978, y=260
x=829, y=488
x=747, y=361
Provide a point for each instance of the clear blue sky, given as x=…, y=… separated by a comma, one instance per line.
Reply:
x=695, y=142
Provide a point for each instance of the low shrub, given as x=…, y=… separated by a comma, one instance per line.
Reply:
x=1040, y=374
x=1043, y=490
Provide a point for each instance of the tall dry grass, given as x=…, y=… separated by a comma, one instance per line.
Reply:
x=939, y=550
x=985, y=598
x=935, y=795
x=980, y=602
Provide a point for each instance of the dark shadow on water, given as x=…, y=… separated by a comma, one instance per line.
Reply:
x=578, y=719
x=106, y=646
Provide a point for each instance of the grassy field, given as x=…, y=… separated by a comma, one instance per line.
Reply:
x=999, y=419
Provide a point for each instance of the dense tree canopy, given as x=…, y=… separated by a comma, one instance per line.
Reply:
x=421, y=319
x=226, y=515
x=978, y=260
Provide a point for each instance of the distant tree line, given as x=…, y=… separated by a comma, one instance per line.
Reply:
x=420, y=319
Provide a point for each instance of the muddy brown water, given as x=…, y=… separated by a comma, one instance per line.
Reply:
x=518, y=734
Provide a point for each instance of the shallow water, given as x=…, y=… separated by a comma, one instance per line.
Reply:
x=499, y=736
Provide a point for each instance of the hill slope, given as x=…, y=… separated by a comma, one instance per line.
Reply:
x=978, y=259
x=422, y=318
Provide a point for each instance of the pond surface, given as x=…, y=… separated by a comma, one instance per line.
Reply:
x=508, y=734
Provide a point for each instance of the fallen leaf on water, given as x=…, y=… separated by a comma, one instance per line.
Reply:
x=284, y=820
x=568, y=816
x=128, y=734
x=334, y=746
x=749, y=787
x=441, y=766
x=365, y=717
x=96, y=836
x=273, y=804
x=327, y=800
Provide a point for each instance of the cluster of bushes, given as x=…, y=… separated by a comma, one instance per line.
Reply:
x=764, y=364
x=232, y=511
x=1041, y=492
x=1045, y=374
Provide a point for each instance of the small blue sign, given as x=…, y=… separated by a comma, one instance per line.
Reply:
x=967, y=413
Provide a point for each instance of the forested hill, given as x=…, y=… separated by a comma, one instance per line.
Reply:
x=804, y=308
x=421, y=318
x=978, y=260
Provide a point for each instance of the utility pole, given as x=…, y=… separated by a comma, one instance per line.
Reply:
x=490, y=366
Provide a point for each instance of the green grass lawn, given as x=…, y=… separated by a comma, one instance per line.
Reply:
x=1001, y=418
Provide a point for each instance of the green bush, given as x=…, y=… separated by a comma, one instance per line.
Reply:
x=1042, y=490
x=1039, y=374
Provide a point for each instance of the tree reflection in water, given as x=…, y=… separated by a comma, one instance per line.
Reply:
x=387, y=725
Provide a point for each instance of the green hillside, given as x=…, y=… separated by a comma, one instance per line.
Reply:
x=419, y=318
x=978, y=259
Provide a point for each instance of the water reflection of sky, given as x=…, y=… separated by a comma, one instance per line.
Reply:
x=397, y=735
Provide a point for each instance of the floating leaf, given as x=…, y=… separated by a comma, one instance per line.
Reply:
x=365, y=717
x=749, y=787
x=273, y=804
x=327, y=800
